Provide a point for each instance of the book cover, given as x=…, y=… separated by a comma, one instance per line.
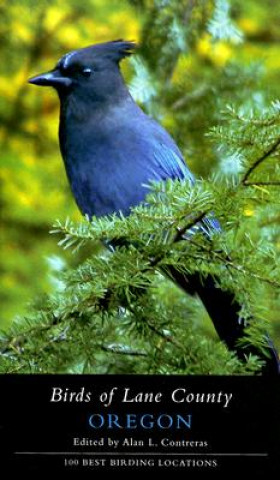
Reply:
x=140, y=237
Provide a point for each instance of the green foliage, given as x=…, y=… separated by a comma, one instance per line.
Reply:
x=203, y=69
x=221, y=26
x=116, y=302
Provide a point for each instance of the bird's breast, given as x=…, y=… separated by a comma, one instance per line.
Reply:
x=111, y=157
x=105, y=175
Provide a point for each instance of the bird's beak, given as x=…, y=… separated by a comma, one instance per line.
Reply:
x=51, y=79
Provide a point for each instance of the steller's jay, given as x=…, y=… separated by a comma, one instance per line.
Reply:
x=112, y=150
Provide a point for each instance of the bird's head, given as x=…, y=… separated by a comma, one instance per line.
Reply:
x=92, y=72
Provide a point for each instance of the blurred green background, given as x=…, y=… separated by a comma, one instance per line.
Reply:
x=34, y=35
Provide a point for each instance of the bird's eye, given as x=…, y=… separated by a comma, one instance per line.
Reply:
x=86, y=72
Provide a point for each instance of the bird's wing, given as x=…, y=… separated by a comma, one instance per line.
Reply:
x=169, y=163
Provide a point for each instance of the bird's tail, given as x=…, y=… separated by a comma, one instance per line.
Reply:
x=224, y=311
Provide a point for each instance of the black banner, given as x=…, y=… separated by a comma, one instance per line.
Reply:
x=96, y=423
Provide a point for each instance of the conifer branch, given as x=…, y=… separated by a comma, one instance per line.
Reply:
x=166, y=336
x=182, y=231
x=257, y=162
x=275, y=183
x=239, y=268
x=123, y=350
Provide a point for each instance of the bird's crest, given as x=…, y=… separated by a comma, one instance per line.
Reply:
x=115, y=50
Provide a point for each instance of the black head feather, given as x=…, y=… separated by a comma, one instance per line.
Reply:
x=113, y=51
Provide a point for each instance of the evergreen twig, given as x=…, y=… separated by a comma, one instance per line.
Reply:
x=257, y=162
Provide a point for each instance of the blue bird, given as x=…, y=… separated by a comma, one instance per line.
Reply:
x=112, y=150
